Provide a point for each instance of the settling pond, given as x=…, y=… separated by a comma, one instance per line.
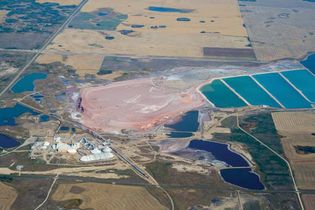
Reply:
x=7, y=141
x=27, y=82
x=241, y=176
x=9, y=114
x=185, y=126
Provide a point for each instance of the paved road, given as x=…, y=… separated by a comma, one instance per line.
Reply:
x=64, y=25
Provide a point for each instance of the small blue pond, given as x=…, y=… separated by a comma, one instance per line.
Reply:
x=7, y=141
x=220, y=152
x=37, y=97
x=137, y=26
x=8, y=114
x=169, y=9
x=183, y=19
x=243, y=177
x=44, y=118
x=26, y=83
x=309, y=62
x=126, y=32
x=64, y=129
x=157, y=27
x=109, y=37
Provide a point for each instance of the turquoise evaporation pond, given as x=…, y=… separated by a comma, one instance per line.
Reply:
x=26, y=83
x=282, y=90
x=221, y=96
x=250, y=91
x=309, y=63
x=302, y=80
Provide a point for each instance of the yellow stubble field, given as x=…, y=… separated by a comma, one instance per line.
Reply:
x=219, y=19
x=296, y=129
x=109, y=197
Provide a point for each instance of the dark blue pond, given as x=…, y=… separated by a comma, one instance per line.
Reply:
x=309, y=62
x=243, y=177
x=220, y=152
x=26, y=83
x=7, y=141
x=168, y=9
x=188, y=123
x=8, y=114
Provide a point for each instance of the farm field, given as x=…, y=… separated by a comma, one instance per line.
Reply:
x=28, y=24
x=309, y=201
x=134, y=29
x=7, y=196
x=84, y=64
x=279, y=30
x=111, y=197
x=296, y=129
